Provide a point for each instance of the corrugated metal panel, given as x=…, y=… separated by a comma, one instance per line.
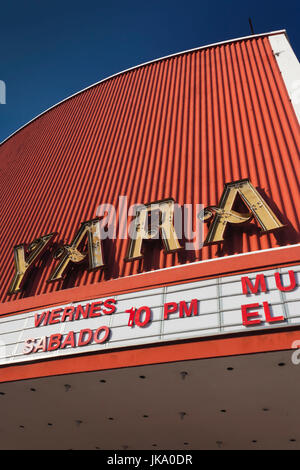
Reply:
x=180, y=127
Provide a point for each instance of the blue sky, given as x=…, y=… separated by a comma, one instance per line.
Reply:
x=52, y=49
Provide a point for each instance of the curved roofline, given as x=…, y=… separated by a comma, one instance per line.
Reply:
x=280, y=31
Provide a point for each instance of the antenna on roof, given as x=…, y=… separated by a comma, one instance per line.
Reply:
x=251, y=26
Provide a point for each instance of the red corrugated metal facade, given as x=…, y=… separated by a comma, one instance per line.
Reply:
x=179, y=127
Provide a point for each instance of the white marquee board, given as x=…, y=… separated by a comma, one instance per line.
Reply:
x=219, y=304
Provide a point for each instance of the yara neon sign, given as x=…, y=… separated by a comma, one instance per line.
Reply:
x=161, y=225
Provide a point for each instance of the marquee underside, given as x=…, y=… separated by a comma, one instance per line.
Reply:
x=241, y=402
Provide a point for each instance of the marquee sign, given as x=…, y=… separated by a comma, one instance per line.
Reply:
x=26, y=256
x=240, y=303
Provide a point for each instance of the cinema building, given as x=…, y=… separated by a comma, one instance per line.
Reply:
x=121, y=327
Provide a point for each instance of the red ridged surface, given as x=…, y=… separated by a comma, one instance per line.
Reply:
x=180, y=127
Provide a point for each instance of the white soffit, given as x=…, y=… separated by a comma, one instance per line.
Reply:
x=289, y=67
